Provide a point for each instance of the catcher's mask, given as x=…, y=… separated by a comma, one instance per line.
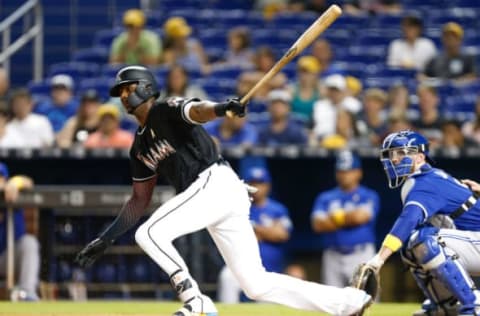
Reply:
x=397, y=154
x=146, y=85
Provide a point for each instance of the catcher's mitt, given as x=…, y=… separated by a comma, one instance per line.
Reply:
x=367, y=278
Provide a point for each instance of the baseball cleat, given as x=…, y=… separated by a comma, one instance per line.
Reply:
x=197, y=306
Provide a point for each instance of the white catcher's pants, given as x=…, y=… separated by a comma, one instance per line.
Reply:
x=218, y=201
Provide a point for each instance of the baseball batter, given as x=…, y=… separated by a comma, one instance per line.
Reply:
x=345, y=216
x=438, y=230
x=171, y=141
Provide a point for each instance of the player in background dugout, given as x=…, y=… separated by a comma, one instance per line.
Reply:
x=272, y=226
x=27, y=248
x=345, y=216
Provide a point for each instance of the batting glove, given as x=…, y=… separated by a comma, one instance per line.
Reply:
x=233, y=106
x=94, y=250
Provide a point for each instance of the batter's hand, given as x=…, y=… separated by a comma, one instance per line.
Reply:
x=88, y=255
x=235, y=107
x=474, y=186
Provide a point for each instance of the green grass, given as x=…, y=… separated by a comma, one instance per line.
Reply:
x=102, y=308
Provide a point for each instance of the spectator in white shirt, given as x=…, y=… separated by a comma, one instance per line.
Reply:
x=9, y=138
x=34, y=129
x=412, y=51
x=325, y=110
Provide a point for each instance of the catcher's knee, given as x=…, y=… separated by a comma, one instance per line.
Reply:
x=425, y=249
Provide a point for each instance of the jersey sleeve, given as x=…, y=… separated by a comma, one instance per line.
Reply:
x=428, y=200
x=319, y=207
x=140, y=172
x=282, y=215
x=177, y=109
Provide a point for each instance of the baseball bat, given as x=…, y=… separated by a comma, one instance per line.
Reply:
x=317, y=28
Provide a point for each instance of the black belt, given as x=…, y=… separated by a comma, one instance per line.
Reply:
x=465, y=207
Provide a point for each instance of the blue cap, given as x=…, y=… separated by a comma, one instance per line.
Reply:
x=257, y=174
x=4, y=170
x=346, y=160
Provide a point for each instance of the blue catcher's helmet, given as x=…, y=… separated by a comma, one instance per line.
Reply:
x=400, y=147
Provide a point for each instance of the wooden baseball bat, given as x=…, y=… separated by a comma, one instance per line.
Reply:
x=317, y=28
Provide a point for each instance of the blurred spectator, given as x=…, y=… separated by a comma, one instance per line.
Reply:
x=271, y=7
x=177, y=85
x=109, y=134
x=453, y=139
x=345, y=216
x=239, y=52
x=234, y=131
x=325, y=110
x=430, y=121
x=347, y=134
x=323, y=52
x=373, y=117
x=180, y=48
x=135, y=45
x=4, y=85
x=411, y=51
x=306, y=90
x=27, y=247
x=471, y=129
x=399, y=101
x=452, y=63
x=9, y=137
x=85, y=122
x=282, y=129
x=317, y=6
x=35, y=130
x=264, y=61
x=372, y=6
x=354, y=86
x=272, y=226
x=397, y=121
x=62, y=104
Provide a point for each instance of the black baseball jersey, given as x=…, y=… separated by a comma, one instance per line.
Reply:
x=172, y=145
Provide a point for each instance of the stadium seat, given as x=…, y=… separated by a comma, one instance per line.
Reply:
x=39, y=88
x=226, y=72
x=388, y=20
x=100, y=84
x=77, y=70
x=466, y=3
x=216, y=38
x=96, y=54
x=105, y=37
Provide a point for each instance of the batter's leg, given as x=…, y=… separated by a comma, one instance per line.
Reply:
x=228, y=288
x=238, y=245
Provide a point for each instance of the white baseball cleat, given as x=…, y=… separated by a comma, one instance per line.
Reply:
x=198, y=306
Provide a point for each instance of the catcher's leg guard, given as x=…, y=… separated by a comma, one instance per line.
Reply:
x=428, y=252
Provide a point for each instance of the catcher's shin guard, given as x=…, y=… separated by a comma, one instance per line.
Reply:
x=428, y=251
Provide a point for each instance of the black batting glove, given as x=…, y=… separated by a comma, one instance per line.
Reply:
x=91, y=252
x=233, y=106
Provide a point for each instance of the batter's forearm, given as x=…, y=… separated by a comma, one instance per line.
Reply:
x=202, y=111
x=130, y=214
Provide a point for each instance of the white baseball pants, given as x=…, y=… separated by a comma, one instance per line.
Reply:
x=27, y=264
x=218, y=201
x=466, y=244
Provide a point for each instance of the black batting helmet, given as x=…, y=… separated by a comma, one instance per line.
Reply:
x=147, y=85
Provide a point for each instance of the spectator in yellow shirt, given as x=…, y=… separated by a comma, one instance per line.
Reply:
x=136, y=45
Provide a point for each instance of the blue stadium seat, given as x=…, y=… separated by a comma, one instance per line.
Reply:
x=154, y=19
x=110, y=71
x=105, y=37
x=352, y=22
x=213, y=38
x=96, y=54
x=231, y=18
x=139, y=270
x=231, y=4
x=296, y=21
x=100, y=84
x=39, y=88
x=388, y=20
x=393, y=72
x=215, y=88
x=226, y=72
x=382, y=82
x=466, y=3
x=77, y=70
x=374, y=40
x=105, y=271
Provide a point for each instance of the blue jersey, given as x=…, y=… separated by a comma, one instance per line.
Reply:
x=431, y=191
x=273, y=254
x=361, y=198
x=18, y=224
